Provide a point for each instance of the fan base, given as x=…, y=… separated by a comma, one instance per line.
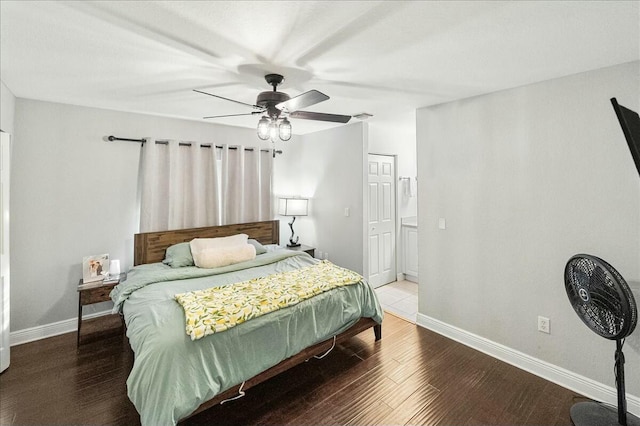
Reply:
x=594, y=414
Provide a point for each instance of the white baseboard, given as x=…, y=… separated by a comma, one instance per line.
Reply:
x=406, y=277
x=565, y=378
x=411, y=278
x=49, y=330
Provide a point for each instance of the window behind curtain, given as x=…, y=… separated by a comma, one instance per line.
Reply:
x=185, y=185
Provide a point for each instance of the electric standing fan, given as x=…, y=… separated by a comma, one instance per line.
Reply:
x=603, y=301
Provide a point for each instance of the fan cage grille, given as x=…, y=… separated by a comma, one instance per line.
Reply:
x=600, y=296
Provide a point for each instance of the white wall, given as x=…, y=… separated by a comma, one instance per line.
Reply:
x=7, y=108
x=526, y=178
x=73, y=195
x=327, y=167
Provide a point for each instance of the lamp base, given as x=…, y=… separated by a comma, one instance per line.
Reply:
x=293, y=245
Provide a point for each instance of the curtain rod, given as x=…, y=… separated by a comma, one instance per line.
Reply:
x=204, y=145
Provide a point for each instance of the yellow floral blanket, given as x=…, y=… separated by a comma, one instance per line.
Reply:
x=218, y=309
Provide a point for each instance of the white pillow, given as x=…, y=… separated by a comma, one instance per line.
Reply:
x=217, y=252
x=205, y=243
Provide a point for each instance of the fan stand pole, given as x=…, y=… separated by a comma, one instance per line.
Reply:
x=592, y=413
x=622, y=401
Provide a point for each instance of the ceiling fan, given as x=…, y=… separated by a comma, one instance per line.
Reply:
x=276, y=106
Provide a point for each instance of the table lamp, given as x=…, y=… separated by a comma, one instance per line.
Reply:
x=290, y=206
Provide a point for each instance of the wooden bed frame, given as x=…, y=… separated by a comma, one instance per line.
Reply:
x=150, y=247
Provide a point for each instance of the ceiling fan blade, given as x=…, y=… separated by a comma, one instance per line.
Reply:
x=320, y=116
x=304, y=100
x=227, y=99
x=234, y=115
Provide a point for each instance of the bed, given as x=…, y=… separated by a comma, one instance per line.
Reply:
x=174, y=377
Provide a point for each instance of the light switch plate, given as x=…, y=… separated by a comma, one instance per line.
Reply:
x=442, y=224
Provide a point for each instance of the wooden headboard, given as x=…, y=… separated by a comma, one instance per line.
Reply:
x=149, y=247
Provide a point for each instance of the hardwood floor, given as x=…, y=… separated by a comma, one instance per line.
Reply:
x=412, y=376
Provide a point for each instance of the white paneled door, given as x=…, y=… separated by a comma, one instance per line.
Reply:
x=382, y=219
x=4, y=250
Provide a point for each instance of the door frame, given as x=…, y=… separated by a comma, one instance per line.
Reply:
x=365, y=211
x=5, y=272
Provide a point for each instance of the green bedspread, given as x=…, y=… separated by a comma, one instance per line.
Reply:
x=173, y=375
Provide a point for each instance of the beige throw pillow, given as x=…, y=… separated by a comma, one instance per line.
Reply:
x=223, y=251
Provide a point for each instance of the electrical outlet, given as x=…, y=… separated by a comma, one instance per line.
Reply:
x=544, y=325
x=326, y=255
x=319, y=254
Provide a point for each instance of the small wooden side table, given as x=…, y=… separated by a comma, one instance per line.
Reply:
x=104, y=325
x=311, y=251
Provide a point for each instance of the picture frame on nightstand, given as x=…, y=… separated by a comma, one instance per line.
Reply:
x=95, y=268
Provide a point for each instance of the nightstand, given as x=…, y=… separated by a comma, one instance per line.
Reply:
x=101, y=326
x=311, y=251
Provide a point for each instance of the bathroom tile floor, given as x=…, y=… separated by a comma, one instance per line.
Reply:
x=400, y=298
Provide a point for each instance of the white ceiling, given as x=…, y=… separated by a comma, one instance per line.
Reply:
x=386, y=58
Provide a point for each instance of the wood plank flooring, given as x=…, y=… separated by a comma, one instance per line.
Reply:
x=412, y=376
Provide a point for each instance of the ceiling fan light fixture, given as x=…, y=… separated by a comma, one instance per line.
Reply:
x=284, y=129
x=263, y=128
x=273, y=130
x=274, y=105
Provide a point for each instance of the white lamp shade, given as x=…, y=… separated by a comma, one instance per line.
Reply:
x=263, y=128
x=293, y=206
x=285, y=130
